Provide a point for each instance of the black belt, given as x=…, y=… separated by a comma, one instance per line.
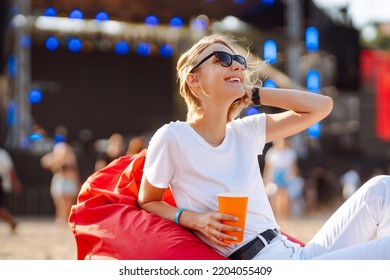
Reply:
x=249, y=250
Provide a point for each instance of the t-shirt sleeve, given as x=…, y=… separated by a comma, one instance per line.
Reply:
x=161, y=160
x=254, y=126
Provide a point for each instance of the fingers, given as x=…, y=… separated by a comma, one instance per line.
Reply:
x=220, y=242
x=225, y=222
x=221, y=238
x=222, y=231
x=226, y=217
x=229, y=228
x=218, y=227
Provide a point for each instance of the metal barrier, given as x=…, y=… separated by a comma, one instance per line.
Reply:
x=35, y=200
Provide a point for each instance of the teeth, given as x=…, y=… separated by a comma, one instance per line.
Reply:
x=234, y=79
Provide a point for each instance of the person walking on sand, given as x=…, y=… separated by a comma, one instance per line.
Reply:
x=9, y=182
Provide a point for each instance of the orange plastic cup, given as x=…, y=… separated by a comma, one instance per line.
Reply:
x=234, y=204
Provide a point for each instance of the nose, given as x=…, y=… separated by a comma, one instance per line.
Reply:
x=236, y=66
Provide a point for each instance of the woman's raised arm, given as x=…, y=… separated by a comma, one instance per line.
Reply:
x=303, y=109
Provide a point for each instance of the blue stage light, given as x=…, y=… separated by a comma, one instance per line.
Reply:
x=58, y=138
x=122, y=48
x=102, y=16
x=75, y=45
x=12, y=65
x=76, y=14
x=50, y=12
x=52, y=43
x=176, y=22
x=199, y=24
x=13, y=10
x=166, y=50
x=313, y=81
x=25, y=41
x=314, y=131
x=11, y=114
x=35, y=96
x=268, y=2
x=35, y=137
x=151, y=21
x=270, y=52
x=312, y=39
x=239, y=1
x=269, y=84
x=252, y=111
x=144, y=49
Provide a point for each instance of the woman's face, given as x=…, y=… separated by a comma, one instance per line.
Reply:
x=226, y=83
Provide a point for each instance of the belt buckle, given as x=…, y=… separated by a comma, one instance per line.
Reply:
x=263, y=240
x=267, y=236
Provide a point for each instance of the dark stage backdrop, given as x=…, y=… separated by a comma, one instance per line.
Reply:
x=103, y=92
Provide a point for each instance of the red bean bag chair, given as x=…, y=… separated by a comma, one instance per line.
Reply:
x=108, y=224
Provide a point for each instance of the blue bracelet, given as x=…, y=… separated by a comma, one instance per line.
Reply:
x=178, y=214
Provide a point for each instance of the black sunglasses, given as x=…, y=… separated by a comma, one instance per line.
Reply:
x=224, y=58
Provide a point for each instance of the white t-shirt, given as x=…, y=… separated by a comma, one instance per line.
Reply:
x=5, y=167
x=196, y=172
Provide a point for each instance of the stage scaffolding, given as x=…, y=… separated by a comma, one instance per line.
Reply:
x=19, y=118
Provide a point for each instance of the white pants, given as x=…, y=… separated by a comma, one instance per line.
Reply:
x=359, y=229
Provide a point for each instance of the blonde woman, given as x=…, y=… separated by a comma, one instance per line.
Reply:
x=213, y=152
x=65, y=183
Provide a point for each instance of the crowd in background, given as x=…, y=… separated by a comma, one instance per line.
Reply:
x=292, y=193
x=62, y=156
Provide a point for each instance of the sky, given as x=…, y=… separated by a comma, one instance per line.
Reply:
x=362, y=12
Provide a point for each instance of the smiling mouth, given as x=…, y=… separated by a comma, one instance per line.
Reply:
x=234, y=80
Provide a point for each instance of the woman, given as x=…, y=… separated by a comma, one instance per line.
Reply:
x=212, y=153
x=280, y=169
x=65, y=183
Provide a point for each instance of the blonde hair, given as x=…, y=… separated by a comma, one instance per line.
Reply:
x=188, y=60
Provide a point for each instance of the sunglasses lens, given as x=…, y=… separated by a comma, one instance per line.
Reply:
x=225, y=59
x=241, y=60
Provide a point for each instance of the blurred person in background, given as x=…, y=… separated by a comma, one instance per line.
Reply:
x=9, y=182
x=323, y=189
x=136, y=145
x=296, y=188
x=280, y=168
x=65, y=183
x=350, y=181
x=115, y=148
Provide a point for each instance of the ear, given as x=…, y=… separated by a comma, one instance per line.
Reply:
x=192, y=80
